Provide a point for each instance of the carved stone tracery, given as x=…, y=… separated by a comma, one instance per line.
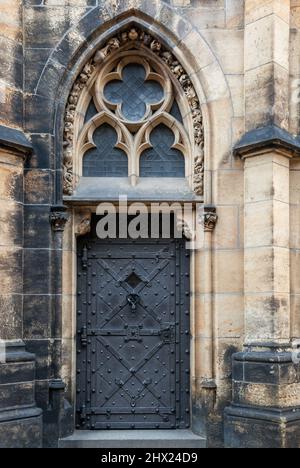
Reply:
x=134, y=39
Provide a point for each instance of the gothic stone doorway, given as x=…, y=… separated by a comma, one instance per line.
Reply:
x=133, y=341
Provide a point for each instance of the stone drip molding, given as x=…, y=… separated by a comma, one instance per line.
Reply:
x=140, y=38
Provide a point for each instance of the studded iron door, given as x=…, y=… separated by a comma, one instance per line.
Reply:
x=133, y=345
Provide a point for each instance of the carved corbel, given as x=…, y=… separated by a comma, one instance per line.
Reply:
x=83, y=219
x=185, y=226
x=208, y=218
x=58, y=218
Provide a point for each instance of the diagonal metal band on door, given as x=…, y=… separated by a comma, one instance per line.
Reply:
x=119, y=307
x=154, y=393
x=146, y=278
x=132, y=371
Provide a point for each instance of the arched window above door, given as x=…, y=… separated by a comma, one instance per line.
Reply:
x=137, y=116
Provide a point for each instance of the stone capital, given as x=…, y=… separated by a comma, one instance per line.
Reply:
x=58, y=218
x=267, y=140
x=209, y=218
x=15, y=141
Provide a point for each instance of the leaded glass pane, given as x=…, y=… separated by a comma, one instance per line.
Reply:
x=162, y=160
x=91, y=111
x=175, y=112
x=133, y=93
x=105, y=160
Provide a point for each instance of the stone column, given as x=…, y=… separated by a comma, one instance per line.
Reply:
x=58, y=414
x=20, y=420
x=266, y=380
x=204, y=381
x=267, y=42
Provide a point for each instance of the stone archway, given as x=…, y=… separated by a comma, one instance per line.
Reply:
x=140, y=42
x=202, y=356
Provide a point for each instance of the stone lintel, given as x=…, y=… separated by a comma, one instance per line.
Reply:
x=253, y=427
x=264, y=357
x=261, y=428
x=275, y=415
x=265, y=368
x=15, y=352
x=20, y=414
x=13, y=139
x=270, y=138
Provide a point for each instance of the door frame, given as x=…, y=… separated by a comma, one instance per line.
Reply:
x=180, y=263
x=79, y=224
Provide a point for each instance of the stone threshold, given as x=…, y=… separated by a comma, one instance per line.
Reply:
x=164, y=439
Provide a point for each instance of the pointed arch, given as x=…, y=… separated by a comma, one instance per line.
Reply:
x=93, y=31
x=181, y=140
x=86, y=141
x=111, y=59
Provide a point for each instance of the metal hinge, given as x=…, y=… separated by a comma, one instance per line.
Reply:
x=83, y=414
x=84, y=257
x=167, y=332
x=83, y=336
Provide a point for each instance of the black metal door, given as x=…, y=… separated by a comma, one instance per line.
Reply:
x=133, y=345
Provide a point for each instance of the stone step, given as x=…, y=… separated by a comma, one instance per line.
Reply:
x=165, y=439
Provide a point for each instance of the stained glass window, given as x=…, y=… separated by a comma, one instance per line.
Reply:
x=133, y=93
x=162, y=160
x=105, y=160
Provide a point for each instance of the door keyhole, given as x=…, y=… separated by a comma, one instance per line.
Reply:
x=132, y=300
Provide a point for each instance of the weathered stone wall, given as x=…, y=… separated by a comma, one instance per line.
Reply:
x=11, y=74
x=295, y=167
x=217, y=63
x=243, y=58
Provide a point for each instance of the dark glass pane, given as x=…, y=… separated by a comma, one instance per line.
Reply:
x=91, y=111
x=105, y=160
x=162, y=160
x=133, y=92
x=175, y=112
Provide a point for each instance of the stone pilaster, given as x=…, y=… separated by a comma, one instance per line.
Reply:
x=58, y=414
x=267, y=35
x=20, y=420
x=266, y=382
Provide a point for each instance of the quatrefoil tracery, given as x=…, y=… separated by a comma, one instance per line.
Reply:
x=133, y=92
x=87, y=99
x=135, y=96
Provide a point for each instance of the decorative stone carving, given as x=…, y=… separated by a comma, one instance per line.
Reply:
x=209, y=218
x=58, y=218
x=199, y=173
x=133, y=35
x=113, y=44
x=183, y=226
x=79, y=85
x=135, y=39
x=83, y=219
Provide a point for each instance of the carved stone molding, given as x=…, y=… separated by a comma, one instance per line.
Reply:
x=134, y=39
x=209, y=218
x=58, y=218
x=184, y=227
x=83, y=219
